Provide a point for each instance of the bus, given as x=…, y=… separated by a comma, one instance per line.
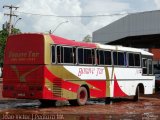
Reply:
x=50, y=68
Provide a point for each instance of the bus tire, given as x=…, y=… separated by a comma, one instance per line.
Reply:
x=47, y=103
x=108, y=100
x=136, y=97
x=82, y=97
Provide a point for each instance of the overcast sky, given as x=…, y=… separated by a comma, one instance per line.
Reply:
x=77, y=27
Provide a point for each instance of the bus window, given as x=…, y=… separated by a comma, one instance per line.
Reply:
x=53, y=54
x=87, y=56
x=130, y=59
x=150, y=67
x=74, y=55
x=61, y=55
x=93, y=56
x=144, y=61
x=115, y=57
x=134, y=60
x=68, y=54
x=137, y=59
x=58, y=54
x=101, y=57
x=80, y=55
x=107, y=57
x=97, y=57
x=120, y=58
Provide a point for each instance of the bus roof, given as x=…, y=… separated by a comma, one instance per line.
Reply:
x=63, y=41
x=122, y=48
x=60, y=40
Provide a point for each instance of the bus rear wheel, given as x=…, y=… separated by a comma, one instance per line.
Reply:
x=136, y=97
x=82, y=97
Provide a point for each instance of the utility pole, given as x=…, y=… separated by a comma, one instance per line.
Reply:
x=11, y=14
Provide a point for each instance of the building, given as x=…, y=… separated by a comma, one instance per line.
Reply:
x=141, y=30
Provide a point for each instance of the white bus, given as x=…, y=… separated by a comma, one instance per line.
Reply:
x=50, y=68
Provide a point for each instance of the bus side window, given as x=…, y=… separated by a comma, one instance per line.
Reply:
x=125, y=59
x=93, y=56
x=101, y=57
x=134, y=59
x=131, y=59
x=80, y=56
x=87, y=56
x=144, y=65
x=107, y=57
x=68, y=54
x=53, y=54
x=115, y=58
x=97, y=57
x=58, y=54
x=74, y=55
x=137, y=59
x=121, y=58
x=150, y=67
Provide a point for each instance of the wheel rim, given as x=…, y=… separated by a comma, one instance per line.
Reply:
x=82, y=95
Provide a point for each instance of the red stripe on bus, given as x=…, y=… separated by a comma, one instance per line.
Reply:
x=64, y=84
x=63, y=41
x=100, y=85
x=117, y=90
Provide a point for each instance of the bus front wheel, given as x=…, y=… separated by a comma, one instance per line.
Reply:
x=82, y=97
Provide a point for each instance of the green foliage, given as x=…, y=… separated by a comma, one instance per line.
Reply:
x=3, y=38
x=87, y=38
x=16, y=31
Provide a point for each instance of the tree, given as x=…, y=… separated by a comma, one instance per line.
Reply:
x=87, y=38
x=16, y=31
x=3, y=36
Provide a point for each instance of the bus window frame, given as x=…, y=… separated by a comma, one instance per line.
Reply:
x=83, y=56
x=55, y=54
x=145, y=67
x=140, y=57
x=62, y=47
x=104, y=58
x=117, y=59
x=99, y=57
x=148, y=66
x=65, y=46
x=134, y=60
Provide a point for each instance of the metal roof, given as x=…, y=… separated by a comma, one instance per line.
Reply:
x=137, y=24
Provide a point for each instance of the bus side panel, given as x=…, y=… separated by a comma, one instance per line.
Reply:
x=63, y=82
x=127, y=79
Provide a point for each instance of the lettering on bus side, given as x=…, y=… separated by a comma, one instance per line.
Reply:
x=90, y=71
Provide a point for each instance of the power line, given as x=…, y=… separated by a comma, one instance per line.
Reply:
x=66, y=16
x=81, y=16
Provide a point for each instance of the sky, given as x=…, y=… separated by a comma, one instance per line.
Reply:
x=44, y=15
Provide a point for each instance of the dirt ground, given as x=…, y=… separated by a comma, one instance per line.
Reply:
x=147, y=108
